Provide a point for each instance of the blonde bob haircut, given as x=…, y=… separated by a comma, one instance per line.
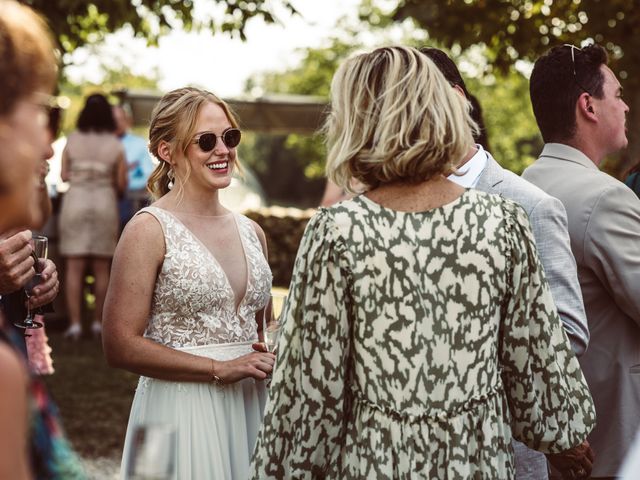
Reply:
x=174, y=120
x=394, y=118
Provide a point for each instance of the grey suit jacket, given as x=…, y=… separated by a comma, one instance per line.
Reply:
x=549, y=224
x=604, y=226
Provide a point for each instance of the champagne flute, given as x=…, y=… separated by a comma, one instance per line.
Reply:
x=271, y=324
x=152, y=452
x=40, y=246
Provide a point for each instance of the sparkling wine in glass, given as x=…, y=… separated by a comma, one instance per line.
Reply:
x=272, y=325
x=40, y=246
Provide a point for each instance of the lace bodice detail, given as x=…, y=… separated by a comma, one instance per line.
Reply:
x=193, y=302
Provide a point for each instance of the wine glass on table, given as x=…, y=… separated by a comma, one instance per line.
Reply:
x=271, y=325
x=40, y=246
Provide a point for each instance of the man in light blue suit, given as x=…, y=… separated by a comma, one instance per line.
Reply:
x=578, y=104
x=549, y=223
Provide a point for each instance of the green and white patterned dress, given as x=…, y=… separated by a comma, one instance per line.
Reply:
x=416, y=345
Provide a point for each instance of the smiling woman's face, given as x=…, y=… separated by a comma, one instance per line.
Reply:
x=25, y=143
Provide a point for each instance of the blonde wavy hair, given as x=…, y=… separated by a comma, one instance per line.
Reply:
x=174, y=120
x=394, y=118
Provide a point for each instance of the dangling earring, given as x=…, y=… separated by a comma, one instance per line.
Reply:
x=171, y=176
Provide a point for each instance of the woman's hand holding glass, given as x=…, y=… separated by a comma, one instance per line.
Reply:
x=47, y=291
x=40, y=247
x=256, y=365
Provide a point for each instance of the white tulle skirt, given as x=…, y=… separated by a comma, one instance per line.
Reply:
x=214, y=428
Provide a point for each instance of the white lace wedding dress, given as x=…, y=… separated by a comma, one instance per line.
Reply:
x=194, y=310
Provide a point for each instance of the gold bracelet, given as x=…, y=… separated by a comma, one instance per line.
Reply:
x=215, y=378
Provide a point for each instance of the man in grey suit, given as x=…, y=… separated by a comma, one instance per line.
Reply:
x=549, y=223
x=577, y=101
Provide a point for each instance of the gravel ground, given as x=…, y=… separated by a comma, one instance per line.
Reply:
x=103, y=468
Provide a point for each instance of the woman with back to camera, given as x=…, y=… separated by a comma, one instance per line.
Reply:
x=420, y=333
x=190, y=279
x=93, y=163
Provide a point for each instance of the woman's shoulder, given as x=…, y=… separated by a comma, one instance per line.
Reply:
x=146, y=224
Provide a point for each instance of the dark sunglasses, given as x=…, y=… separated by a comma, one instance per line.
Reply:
x=207, y=141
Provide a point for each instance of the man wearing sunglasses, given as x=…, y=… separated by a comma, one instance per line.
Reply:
x=577, y=102
x=549, y=223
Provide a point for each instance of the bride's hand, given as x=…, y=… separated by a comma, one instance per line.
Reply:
x=255, y=365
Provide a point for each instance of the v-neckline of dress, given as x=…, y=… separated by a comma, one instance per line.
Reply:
x=217, y=263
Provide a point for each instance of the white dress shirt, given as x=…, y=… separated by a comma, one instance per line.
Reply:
x=468, y=174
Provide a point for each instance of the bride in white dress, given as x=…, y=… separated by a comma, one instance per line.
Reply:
x=189, y=281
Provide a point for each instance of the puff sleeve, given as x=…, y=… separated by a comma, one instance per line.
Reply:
x=304, y=417
x=549, y=401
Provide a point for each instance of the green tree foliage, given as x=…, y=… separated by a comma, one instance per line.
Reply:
x=79, y=22
x=513, y=134
x=515, y=30
x=298, y=159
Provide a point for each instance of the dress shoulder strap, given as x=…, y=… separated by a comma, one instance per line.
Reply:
x=164, y=218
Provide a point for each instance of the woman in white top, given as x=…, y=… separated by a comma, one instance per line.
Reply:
x=189, y=281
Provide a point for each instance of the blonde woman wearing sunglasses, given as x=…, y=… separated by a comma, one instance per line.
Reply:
x=189, y=281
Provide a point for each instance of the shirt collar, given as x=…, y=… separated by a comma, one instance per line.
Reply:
x=468, y=174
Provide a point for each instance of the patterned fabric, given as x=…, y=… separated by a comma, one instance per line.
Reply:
x=193, y=302
x=415, y=345
x=50, y=453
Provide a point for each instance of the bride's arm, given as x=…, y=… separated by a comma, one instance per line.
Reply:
x=136, y=263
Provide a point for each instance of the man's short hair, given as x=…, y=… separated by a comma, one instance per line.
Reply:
x=450, y=71
x=558, y=79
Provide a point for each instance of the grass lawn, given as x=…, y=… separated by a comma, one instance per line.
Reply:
x=93, y=398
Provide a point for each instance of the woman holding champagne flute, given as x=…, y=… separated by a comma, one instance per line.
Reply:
x=32, y=443
x=184, y=306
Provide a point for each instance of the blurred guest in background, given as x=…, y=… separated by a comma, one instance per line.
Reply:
x=93, y=162
x=32, y=444
x=139, y=165
x=420, y=334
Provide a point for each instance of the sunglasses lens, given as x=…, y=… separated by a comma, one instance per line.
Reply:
x=207, y=142
x=231, y=137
